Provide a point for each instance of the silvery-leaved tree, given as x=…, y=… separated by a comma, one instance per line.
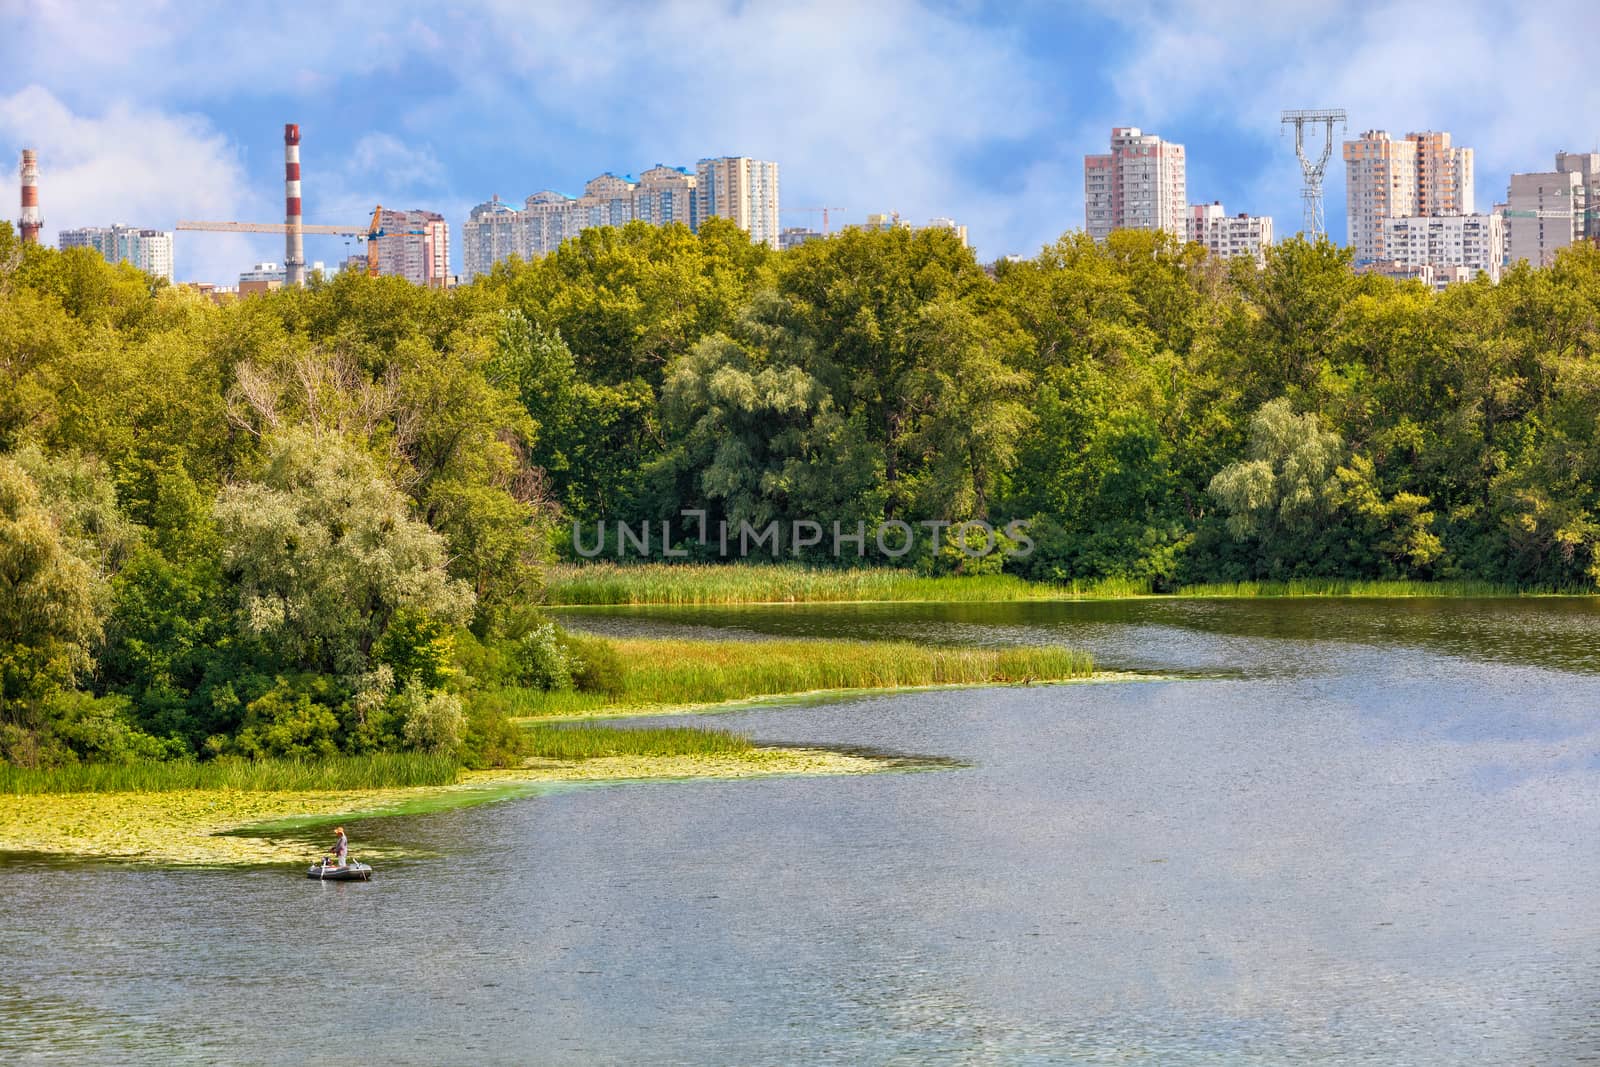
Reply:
x=324, y=552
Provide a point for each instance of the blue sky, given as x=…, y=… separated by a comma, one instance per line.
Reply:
x=146, y=111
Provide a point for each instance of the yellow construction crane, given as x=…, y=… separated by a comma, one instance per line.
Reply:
x=369, y=234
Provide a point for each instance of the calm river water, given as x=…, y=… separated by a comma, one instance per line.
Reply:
x=1345, y=832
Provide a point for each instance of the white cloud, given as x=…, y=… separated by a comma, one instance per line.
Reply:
x=867, y=107
x=137, y=166
x=889, y=106
x=1508, y=84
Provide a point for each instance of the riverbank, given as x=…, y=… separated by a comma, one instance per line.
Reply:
x=668, y=674
x=686, y=585
x=228, y=827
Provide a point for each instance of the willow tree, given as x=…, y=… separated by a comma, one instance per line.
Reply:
x=325, y=552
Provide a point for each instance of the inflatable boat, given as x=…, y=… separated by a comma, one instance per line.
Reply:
x=350, y=872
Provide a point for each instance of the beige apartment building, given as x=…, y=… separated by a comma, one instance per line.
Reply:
x=1422, y=174
x=1141, y=184
x=415, y=246
x=742, y=189
x=1547, y=211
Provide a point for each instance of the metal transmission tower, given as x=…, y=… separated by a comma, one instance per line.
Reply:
x=1315, y=225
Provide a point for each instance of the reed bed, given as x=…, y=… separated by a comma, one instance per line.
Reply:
x=688, y=584
x=671, y=673
x=1347, y=587
x=594, y=742
x=380, y=771
x=782, y=583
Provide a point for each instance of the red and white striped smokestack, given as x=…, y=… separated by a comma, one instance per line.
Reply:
x=294, y=253
x=31, y=222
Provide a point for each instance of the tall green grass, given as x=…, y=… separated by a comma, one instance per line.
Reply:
x=1349, y=587
x=788, y=583
x=381, y=771
x=670, y=672
x=591, y=742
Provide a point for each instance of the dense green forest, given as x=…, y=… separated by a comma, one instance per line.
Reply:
x=313, y=522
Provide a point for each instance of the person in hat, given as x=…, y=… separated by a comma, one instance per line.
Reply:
x=341, y=846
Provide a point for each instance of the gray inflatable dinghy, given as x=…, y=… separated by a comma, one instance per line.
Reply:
x=350, y=872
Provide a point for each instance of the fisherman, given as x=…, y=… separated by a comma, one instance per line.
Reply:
x=341, y=846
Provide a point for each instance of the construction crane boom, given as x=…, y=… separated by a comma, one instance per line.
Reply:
x=269, y=227
x=370, y=233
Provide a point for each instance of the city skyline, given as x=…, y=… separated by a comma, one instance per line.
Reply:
x=926, y=111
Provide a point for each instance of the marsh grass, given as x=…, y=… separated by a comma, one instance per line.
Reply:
x=670, y=672
x=594, y=742
x=1348, y=587
x=380, y=771
x=786, y=583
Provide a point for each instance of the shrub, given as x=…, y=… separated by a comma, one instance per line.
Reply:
x=101, y=730
x=600, y=669
x=489, y=738
x=430, y=722
x=285, y=721
x=547, y=663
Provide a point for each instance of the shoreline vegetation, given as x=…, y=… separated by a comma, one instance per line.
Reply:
x=675, y=674
x=221, y=827
x=702, y=584
x=234, y=812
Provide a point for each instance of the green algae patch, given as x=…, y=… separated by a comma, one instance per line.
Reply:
x=230, y=828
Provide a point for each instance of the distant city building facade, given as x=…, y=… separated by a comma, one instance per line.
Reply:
x=266, y=277
x=893, y=221
x=1227, y=236
x=745, y=190
x=795, y=236
x=1141, y=184
x=1549, y=210
x=1422, y=174
x=149, y=250
x=742, y=189
x=1453, y=247
x=415, y=246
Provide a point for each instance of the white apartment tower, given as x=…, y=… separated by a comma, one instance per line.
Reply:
x=1141, y=184
x=493, y=232
x=742, y=189
x=149, y=250
x=1455, y=247
x=415, y=246
x=1227, y=236
x=1419, y=175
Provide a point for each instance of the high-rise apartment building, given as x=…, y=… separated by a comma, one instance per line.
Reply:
x=666, y=195
x=1226, y=236
x=1549, y=210
x=742, y=189
x=415, y=246
x=149, y=250
x=1141, y=184
x=1420, y=175
x=745, y=190
x=1454, y=247
x=492, y=233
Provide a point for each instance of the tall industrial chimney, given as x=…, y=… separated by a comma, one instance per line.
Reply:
x=31, y=223
x=294, y=253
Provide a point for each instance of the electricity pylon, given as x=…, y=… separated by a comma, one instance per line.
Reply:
x=1315, y=225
